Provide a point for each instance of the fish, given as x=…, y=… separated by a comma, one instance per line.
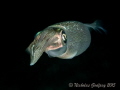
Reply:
x=64, y=40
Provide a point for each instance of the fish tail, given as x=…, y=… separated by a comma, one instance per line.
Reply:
x=97, y=26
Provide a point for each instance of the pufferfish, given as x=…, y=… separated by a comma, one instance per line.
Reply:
x=64, y=40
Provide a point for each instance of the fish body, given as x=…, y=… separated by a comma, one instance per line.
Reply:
x=64, y=40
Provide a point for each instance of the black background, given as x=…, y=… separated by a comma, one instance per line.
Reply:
x=96, y=65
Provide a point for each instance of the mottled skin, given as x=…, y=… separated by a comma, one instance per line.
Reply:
x=51, y=40
x=78, y=38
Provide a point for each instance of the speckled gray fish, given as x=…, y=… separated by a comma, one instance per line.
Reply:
x=64, y=40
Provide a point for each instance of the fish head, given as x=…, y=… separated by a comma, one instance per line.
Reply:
x=49, y=39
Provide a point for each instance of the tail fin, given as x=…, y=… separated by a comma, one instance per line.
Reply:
x=97, y=26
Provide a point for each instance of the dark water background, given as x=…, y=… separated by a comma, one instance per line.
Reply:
x=96, y=65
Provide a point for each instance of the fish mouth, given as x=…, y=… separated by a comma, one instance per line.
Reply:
x=48, y=39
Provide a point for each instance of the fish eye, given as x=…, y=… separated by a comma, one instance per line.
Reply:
x=64, y=37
